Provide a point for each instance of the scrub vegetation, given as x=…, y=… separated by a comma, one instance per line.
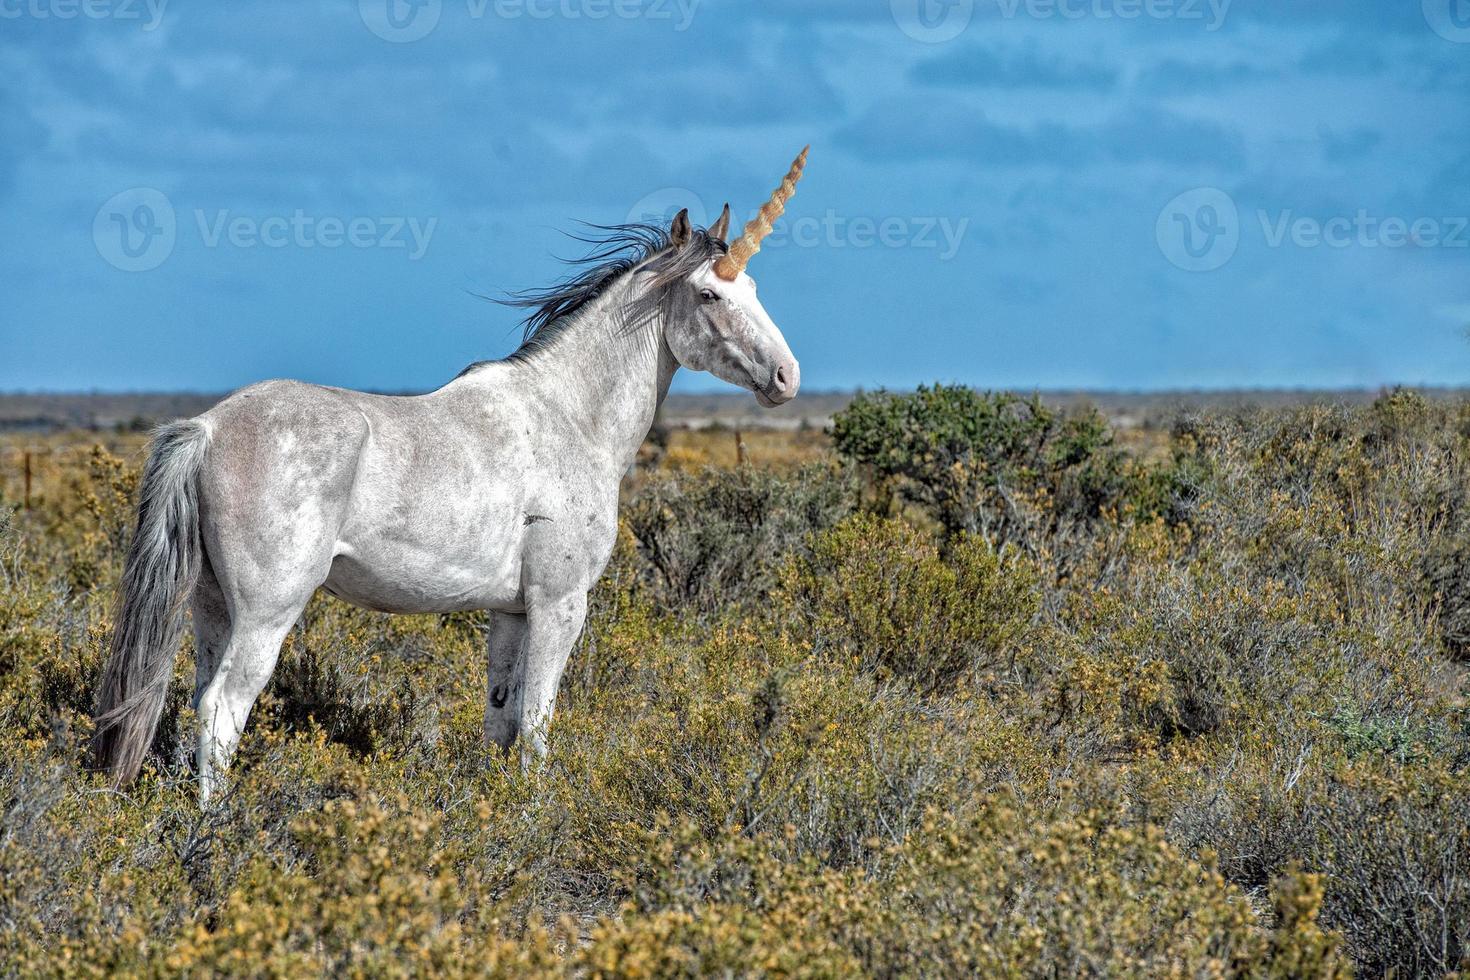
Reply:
x=971, y=685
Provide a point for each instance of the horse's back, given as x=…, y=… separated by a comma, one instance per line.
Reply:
x=396, y=503
x=286, y=436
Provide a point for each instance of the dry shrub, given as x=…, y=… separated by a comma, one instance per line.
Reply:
x=876, y=593
x=712, y=539
x=992, y=892
x=1204, y=720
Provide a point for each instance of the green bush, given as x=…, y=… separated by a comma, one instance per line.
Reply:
x=994, y=464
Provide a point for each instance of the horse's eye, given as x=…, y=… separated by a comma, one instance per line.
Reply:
x=707, y=295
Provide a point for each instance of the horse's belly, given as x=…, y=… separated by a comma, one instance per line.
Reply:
x=422, y=584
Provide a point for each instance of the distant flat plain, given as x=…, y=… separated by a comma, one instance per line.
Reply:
x=52, y=412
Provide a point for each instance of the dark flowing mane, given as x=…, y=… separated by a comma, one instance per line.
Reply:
x=614, y=251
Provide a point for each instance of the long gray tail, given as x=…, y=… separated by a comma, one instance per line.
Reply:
x=158, y=578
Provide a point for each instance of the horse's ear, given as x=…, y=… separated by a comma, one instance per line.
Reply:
x=679, y=230
x=721, y=229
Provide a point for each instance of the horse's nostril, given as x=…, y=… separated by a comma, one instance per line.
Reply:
x=782, y=379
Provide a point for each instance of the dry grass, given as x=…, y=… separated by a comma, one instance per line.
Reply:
x=1194, y=706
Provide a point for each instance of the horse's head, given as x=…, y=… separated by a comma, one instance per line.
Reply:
x=716, y=322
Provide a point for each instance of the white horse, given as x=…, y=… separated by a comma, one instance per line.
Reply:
x=498, y=491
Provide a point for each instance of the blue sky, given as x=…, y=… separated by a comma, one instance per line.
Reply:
x=1135, y=194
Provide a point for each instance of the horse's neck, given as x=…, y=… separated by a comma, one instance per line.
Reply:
x=603, y=376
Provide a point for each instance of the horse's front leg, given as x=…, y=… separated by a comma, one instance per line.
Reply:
x=505, y=642
x=553, y=626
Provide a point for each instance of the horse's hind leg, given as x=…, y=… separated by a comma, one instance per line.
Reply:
x=211, y=629
x=249, y=658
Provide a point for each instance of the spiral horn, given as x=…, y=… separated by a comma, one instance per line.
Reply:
x=731, y=264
